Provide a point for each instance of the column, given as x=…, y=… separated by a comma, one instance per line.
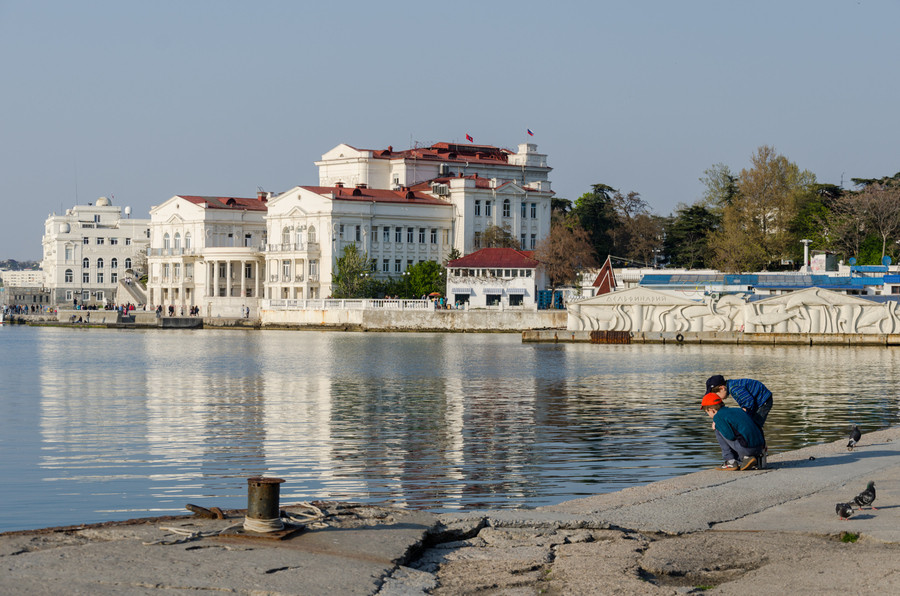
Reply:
x=229, y=278
x=243, y=277
x=215, y=291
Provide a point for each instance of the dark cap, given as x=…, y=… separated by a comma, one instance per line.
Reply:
x=714, y=381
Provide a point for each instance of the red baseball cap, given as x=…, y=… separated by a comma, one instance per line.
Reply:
x=711, y=399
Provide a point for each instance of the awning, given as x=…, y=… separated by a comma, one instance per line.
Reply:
x=492, y=291
x=461, y=291
x=515, y=291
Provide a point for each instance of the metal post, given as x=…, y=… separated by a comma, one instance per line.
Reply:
x=262, y=498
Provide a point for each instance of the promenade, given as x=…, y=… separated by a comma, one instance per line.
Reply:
x=755, y=532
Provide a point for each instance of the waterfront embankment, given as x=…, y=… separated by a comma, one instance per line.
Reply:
x=710, y=337
x=764, y=531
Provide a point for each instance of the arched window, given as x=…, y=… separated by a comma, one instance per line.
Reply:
x=99, y=263
x=187, y=240
x=128, y=263
x=505, y=207
x=177, y=240
x=114, y=263
x=69, y=276
x=286, y=235
x=166, y=243
x=85, y=263
x=311, y=235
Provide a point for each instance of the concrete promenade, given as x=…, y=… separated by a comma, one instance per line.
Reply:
x=754, y=532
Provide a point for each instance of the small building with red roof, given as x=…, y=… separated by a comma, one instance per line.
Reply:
x=495, y=277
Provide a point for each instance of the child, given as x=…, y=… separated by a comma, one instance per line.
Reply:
x=751, y=395
x=739, y=437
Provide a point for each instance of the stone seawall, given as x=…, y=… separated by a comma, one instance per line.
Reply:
x=713, y=337
x=416, y=320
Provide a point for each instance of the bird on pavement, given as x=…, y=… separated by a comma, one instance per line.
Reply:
x=866, y=497
x=844, y=510
x=855, y=435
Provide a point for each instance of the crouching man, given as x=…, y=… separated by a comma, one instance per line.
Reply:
x=741, y=440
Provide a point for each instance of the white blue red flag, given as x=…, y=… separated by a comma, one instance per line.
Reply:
x=530, y=134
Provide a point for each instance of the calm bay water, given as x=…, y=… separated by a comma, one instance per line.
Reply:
x=110, y=424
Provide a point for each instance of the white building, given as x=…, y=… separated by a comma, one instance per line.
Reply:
x=498, y=277
x=29, y=278
x=89, y=249
x=207, y=252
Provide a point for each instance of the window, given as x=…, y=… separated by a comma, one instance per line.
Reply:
x=114, y=241
x=534, y=211
x=488, y=208
x=189, y=270
x=358, y=233
x=285, y=270
x=477, y=240
x=96, y=219
x=533, y=241
x=434, y=235
x=68, y=294
x=505, y=207
x=386, y=266
x=421, y=235
x=396, y=265
x=85, y=240
x=99, y=263
x=398, y=234
x=69, y=253
x=114, y=263
x=524, y=209
x=70, y=278
x=311, y=235
x=187, y=240
x=522, y=241
x=177, y=240
x=128, y=263
x=386, y=233
x=248, y=240
x=166, y=241
x=86, y=277
x=477, y=207
x=100, y=240
x=409, y=235
x=114, y=277
x=445, y=236
x=176, y=271
x=248, y=270
x=85, y=263
x=128, y=242
x=313, y=267
x=374, y=233
x=165, y=271
x=286, y=235
x=341, y=232
x=101, y=296
x=395, y=180
x=85, y=295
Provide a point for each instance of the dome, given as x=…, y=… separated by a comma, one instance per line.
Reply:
x=103, y=202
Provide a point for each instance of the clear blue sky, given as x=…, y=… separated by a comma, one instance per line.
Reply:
x=145, y=100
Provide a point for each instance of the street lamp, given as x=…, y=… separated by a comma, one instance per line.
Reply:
x=806, y=242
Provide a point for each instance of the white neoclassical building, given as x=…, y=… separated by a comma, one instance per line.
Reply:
x=89, y=249
x=207, y=252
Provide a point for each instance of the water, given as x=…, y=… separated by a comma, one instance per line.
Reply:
x=101, y=425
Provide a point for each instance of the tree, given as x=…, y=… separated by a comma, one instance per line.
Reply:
x=721, y=187
x=687, y=236
x=426, y=277
x=736, y=246
x=497, y=237
x=351, y=277
x=594, y=212
x=881, y=204
x=564, y=253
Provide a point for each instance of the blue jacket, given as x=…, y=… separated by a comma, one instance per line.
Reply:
x=736, y=425
x=748, y=393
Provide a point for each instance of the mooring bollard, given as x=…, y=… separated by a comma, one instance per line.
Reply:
x=263, y=508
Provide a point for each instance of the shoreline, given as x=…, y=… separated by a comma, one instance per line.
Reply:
x=723, y=532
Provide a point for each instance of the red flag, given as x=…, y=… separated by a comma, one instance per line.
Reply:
x=469, y=138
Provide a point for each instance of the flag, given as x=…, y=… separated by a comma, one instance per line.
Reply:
x=530, y=134
x=469, y=138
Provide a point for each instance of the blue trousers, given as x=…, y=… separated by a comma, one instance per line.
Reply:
x=761, y=413
x=734, y=450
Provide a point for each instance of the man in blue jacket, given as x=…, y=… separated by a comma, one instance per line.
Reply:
x=741, y=440
x=751, y=395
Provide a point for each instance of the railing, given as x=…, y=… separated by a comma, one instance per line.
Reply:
x=291, y=247
x=349, y=304
x=169, y=252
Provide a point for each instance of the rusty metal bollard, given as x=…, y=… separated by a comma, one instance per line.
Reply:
x=263, y=508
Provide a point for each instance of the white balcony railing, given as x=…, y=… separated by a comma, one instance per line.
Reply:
x=361, y=304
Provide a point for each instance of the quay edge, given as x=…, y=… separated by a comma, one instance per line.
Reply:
x=712, y=337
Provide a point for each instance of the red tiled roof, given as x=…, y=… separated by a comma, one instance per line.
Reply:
x=480, y=182
x=227, y=202
x=375, y=194
x=449, y=152
x=507, y=258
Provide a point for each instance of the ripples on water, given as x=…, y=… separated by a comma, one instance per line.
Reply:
x=105, y=424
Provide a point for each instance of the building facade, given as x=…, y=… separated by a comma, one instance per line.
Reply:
x=207, y=252
x=494, y=277
x=89, y=249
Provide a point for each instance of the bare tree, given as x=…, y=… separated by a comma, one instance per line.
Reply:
x=564, y=253
x=881, y=204
x=497, y=237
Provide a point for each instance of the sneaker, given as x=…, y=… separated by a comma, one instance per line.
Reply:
x=749, y=462
x=731, y=464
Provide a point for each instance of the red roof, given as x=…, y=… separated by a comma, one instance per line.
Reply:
x=448, y=152
x=501, y=258
x=480, y=182
x=254, y=204
x=375, y=195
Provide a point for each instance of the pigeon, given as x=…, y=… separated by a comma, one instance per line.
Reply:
x=866, y=497
x=854, y=437
x=844, y=510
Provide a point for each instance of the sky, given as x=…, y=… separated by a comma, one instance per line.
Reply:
x=141, y=101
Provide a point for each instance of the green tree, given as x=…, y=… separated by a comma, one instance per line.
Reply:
x=721, y=187
x=425, y=277
x=687, y=236
x=352, y=275
x=595, y=213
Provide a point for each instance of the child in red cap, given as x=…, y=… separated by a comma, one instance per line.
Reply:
x=741, y=440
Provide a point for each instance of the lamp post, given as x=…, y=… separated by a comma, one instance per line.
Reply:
x=806, y=242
